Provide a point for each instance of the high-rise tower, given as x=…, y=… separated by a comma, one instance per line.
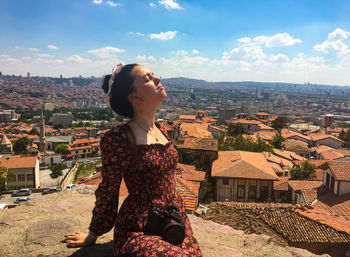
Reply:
x=42, y=142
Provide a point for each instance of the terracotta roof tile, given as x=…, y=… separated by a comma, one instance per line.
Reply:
x=199, y=144
x=331, y=155
x=241, y=164
x=198, y=130
x=341, y=170
x=17, y=162
x=187, y=117
x=287, y=222
x=304, y=184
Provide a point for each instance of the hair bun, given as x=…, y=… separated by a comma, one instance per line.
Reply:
x=105, y=86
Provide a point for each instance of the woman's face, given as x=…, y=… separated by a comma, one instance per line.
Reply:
x=147, y=85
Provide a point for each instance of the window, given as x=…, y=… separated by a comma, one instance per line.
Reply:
x=21, y=177
x=241, y=191
x=51, y=159
x=263, y=192
x=29, y=177
x=252, y=192
x=84, y=151
x=76, y=151
x=225, y=181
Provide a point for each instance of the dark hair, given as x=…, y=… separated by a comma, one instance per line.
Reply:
x=121, y=88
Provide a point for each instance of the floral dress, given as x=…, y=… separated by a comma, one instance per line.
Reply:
x=159, y=164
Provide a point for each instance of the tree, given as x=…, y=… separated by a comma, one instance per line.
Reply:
x=62, y=149
x=345, y=136
x=279, y=123
x=234, y=130
x=34, y=131
x=278, y=141
x=229, y=143
x=56, y=170
x=21, y=144
x=305, y=171
x=5, y=177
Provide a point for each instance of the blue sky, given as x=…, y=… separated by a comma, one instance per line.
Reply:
x=293, y=41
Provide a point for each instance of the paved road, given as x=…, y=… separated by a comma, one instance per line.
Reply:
x=8, y=199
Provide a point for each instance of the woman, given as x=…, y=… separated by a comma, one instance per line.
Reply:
x=135, y=92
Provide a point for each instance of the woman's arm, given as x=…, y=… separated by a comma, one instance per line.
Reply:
x=107, y=193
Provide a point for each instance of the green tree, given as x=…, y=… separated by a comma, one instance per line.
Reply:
x=279, y=123
x=235, y=130
x=305, y=171
x=5, y=177
x=345, y=136
x=278, y=141
x=56, y=170
x=21, y=144
x=62, y=149
x=229, y=143
x=206, y=191
x=34, y=131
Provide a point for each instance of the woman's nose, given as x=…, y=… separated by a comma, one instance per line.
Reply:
x=156, y=80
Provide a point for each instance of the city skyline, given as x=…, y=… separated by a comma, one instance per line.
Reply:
x=269, y=41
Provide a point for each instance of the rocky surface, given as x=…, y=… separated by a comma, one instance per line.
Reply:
x=36, y=227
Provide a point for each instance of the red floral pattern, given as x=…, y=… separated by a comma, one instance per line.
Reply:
x=159, y=164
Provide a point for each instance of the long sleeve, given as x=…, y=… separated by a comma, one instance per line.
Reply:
x=107, y=194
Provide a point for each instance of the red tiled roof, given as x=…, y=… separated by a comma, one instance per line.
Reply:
x=187, y=117
x=241, y=164
x=199, y=144
x=331, y=155
x=341, y=170
x=304, y=184
x=17, y=162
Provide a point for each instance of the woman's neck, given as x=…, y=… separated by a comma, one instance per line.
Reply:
x=145, y=119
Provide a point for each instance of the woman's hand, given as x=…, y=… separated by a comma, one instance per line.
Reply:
x=78, y=239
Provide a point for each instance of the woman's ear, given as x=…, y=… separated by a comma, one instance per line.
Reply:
x=134, y=99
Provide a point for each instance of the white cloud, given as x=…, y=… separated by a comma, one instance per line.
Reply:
x=33, y=49
x=78, y=59
x=195, y=51
x=44, y=56
x=277, y=40
x=334, y=42
x=249, y=52
x=278, y=58
x=170, y=4
x=136, y=33
x=182, y=52
x=106, y=52
x=244, y=40
x=144, y=58
x=27, y=58
x=52, y=47
x=338, y=34
x=97, y=1
x=164, y=35
x=112, y=4
x=152, y=5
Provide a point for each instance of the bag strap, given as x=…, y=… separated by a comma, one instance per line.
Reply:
x=139, y=166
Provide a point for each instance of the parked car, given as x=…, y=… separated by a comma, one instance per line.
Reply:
x=59, y=189
x=45, y=191
x=70, y=186
x=22, y=192
x=22, y=199
x=94, y=173
x=3, y=206
x=88, y=161
x=50, y=190
x=82, y=180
